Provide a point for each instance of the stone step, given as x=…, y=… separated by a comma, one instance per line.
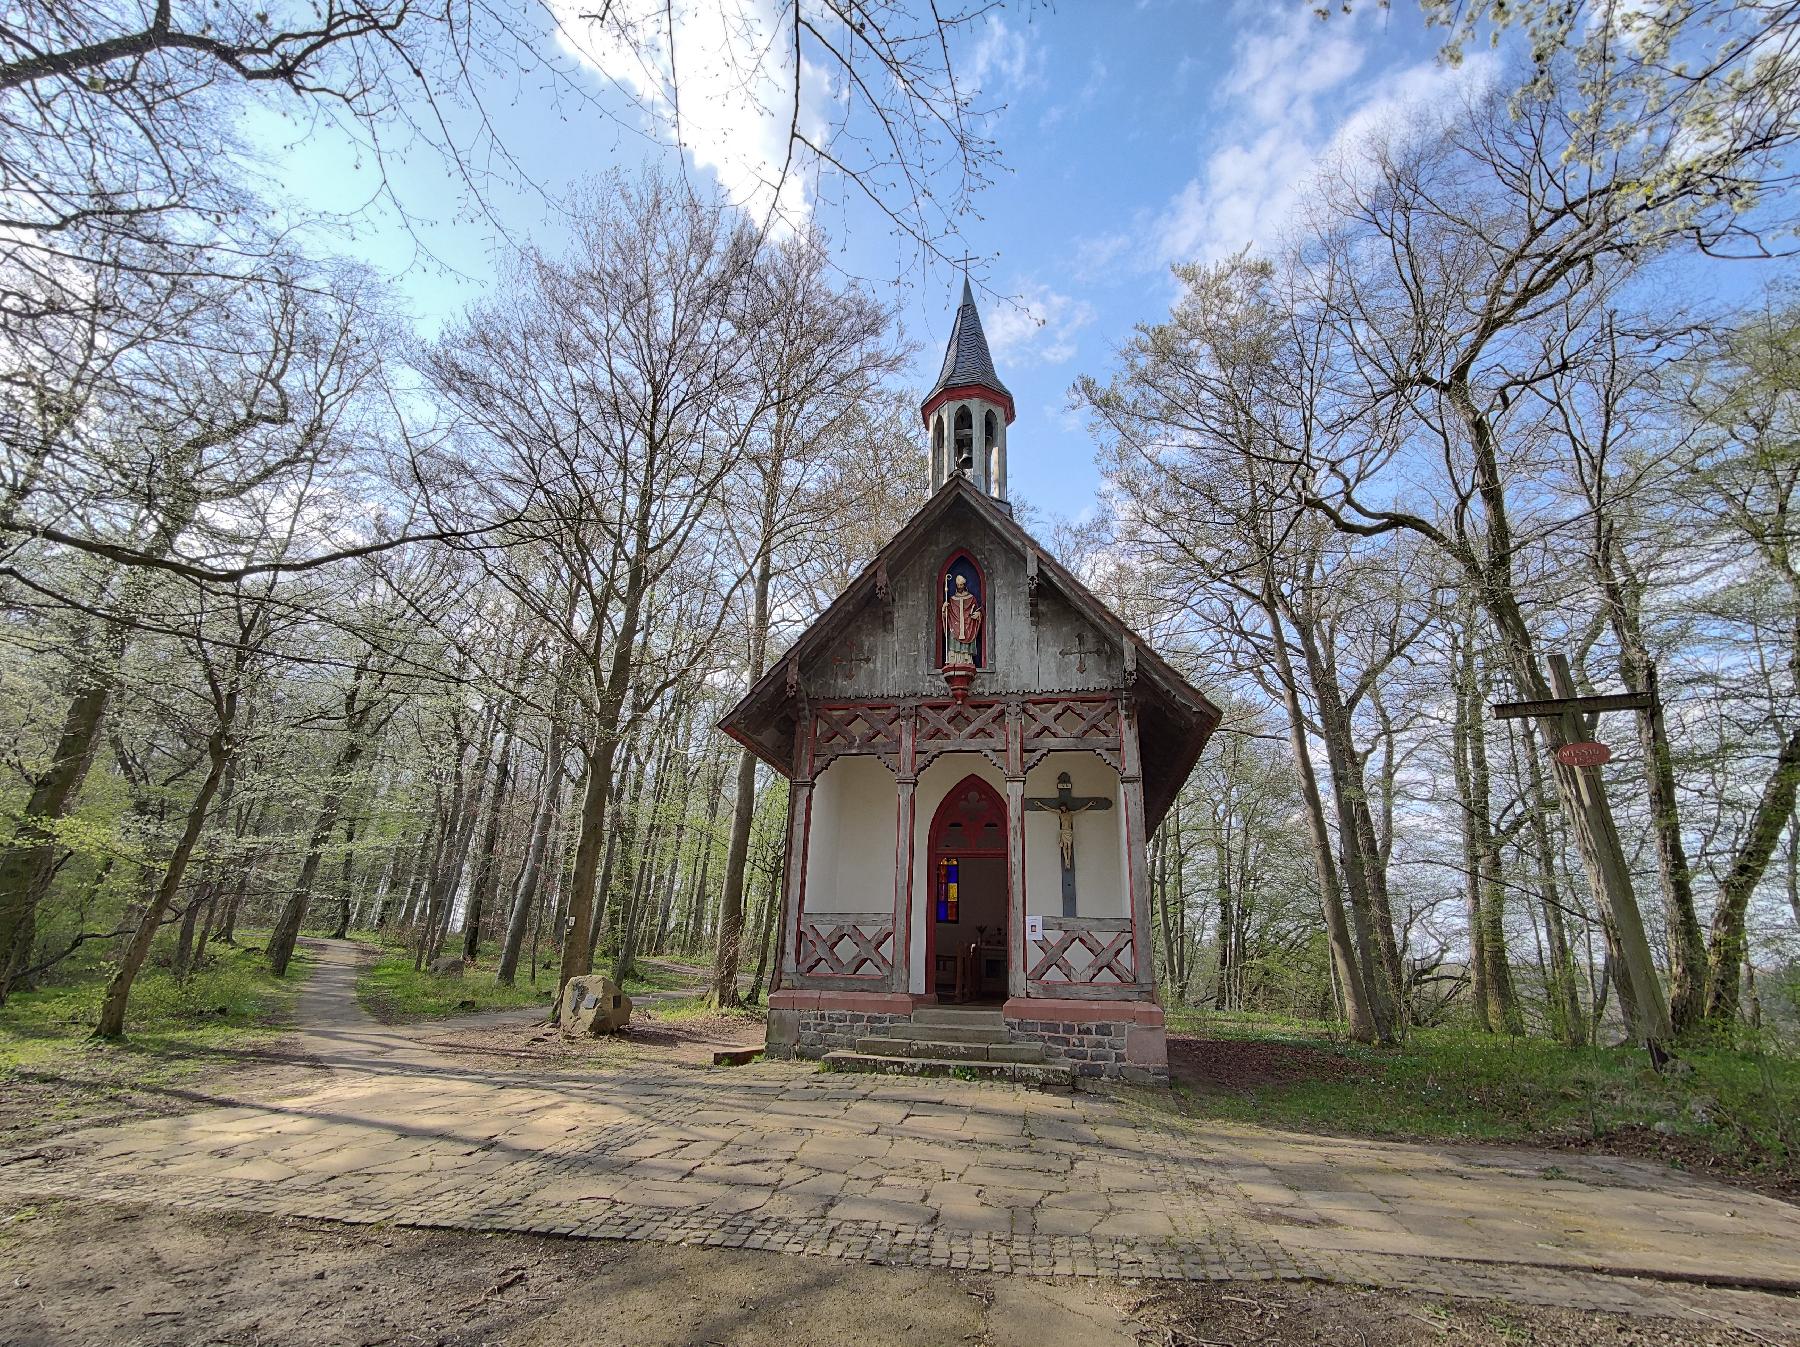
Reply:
x=965, y=1017
x=945, y=1051
x=951, y=1033
x=1019, y=1073
x=913, y=1047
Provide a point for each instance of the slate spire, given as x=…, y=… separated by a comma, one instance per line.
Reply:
x=967, y=363
x=968, y=409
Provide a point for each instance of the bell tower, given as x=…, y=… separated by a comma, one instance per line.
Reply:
x=968, y=409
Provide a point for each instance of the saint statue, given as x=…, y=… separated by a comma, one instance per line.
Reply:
x=961, y=616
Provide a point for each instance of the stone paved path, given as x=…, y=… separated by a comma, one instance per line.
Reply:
x=938, y=1173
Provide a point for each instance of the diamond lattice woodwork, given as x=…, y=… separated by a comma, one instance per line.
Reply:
x=859, y=945
x=1083, y=952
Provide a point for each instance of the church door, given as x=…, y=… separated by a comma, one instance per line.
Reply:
x=965, y=924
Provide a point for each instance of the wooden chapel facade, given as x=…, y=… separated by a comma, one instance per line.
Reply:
x=978, y=751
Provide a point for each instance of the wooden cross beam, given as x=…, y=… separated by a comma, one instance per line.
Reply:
x=1590, y=705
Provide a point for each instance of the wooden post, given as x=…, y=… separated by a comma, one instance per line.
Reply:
x=1015, y=853
x=1131, y=786
x=1594, y=818
x=800, y=789
x=906, y=786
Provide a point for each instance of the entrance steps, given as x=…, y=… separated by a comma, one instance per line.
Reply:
x=1019, y=1073
x=953, y=1040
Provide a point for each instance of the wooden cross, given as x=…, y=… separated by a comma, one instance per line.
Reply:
x=851, y=658
x=1081, y=650
x=1065, y=806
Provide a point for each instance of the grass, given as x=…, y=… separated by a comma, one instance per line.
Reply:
x=647, y=975
x=1445, y=1084
x=698, y=1008
x=394, y=993
x=54, y=1074
x=1246, y=1024
x=230, y=1002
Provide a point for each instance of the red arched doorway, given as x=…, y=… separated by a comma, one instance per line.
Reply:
x=966, y=881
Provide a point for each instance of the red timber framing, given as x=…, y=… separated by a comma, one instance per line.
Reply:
x=1077, y=958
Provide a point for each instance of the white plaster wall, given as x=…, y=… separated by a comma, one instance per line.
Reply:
x=1100, y=867
x=934, y=784
x=850, y=851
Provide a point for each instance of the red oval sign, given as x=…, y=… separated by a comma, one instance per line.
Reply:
x=1583, y=755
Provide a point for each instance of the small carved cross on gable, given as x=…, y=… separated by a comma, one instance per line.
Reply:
x=851, y=658
x=1081, y=650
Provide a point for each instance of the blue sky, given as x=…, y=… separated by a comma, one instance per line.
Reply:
x=1134, y=136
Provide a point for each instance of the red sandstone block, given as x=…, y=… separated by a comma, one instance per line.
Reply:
x=1147, y=1046
x=868, y=1003
x=1083, y=1012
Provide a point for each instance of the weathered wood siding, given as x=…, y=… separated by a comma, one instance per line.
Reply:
x=891, y=650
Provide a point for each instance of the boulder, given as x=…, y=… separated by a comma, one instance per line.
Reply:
x=592, y=1006
x=447, y=967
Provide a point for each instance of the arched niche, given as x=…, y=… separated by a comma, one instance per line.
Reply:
x=962, y=562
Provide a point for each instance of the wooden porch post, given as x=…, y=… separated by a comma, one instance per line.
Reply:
x=906, y=784
x=1015, y=853
x=800, y=789
x=1131, y=787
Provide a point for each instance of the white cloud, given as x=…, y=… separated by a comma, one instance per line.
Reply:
x=1005, y=60
x=1036, y=326
x=717, y=72
x=1290, y=108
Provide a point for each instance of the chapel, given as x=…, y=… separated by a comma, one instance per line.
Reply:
x=978, y=751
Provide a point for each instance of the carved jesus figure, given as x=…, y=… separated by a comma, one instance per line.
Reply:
x=961, y=617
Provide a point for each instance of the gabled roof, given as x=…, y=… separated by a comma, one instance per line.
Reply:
x=967, y=362
x=1176, y=719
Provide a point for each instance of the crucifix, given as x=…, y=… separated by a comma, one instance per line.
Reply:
x=1081, y=650
x=1066, y=806
x=850, y=659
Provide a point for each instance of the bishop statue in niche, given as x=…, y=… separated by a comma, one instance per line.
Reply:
x=961, y=615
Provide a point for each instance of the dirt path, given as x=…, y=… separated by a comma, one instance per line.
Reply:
x=930, y=1175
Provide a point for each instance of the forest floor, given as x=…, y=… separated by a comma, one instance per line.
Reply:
x=1731, y=1115
x=185, y=1039
x=520, y=1197
x=83, y=1274
x=394, y=992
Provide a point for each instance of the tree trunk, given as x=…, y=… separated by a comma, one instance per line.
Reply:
x=1501, y=1013
x=487, y=863
x=1728, y=948
x=287, y=926
x=698, y=902
x=765, y=938
x=118, y=991
x=1580, y=789
x=1563, y=990
x=645, y=833
x=731, y=899
x=531, y=878
x=29, y=860
x=1357, y=1014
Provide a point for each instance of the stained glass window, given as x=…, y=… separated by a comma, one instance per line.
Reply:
x=946, y=889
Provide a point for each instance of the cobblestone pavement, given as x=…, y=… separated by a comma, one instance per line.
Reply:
x=924, y=1172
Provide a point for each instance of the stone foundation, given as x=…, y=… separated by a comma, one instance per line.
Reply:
x=811, y=1024
x=1108, y=1040
x=1100, y=1040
